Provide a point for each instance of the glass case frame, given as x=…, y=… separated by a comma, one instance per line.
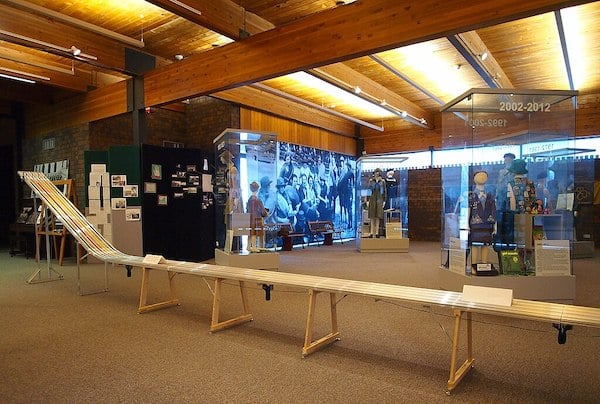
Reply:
x=242, y=158
x=394, y=221
x=486, y=216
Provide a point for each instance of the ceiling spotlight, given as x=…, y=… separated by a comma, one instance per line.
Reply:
x=484, y=55
x=179, y=56
x=404, y=114
x=357, y=90
x=383, y=103
x=75, y=50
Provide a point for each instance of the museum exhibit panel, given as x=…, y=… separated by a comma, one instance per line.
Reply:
x=508, y=198
x=382, y=204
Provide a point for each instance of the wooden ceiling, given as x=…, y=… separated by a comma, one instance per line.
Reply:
x=38, y=38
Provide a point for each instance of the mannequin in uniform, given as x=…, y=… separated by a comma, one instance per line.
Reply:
x=376, y=201
x=234, y=197
x=257, y=214
x=482, y=218
x=234, y=203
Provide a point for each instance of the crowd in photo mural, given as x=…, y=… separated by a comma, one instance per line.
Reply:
x=311, y=185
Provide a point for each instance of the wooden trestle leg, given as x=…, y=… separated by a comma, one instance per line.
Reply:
x=215, y=324
x=311, y=346
x=143, y=307
x=457, y=375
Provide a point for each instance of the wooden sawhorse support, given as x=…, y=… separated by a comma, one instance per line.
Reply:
x=457, y=375
x=215, y=324
x=144, y=307
x=311, y=346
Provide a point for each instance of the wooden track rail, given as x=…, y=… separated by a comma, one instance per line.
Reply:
x=99, y=247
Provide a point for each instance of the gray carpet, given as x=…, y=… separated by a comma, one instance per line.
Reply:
x=56, y=346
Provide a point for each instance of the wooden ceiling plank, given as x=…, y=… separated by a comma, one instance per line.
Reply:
x=222, y=16
x=75, y=22
x=333, y=35
x=352, y=78
x=110, y=54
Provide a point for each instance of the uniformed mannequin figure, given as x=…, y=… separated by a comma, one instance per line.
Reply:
x=482, y=218
x=257, y=214
x=377, y=199
x=234, y=197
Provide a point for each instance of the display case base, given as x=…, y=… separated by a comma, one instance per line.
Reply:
x=384, y=245
x=262, y=260
x=560, y=289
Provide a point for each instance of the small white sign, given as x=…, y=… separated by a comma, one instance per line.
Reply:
x=487, y=295
x=153, y=259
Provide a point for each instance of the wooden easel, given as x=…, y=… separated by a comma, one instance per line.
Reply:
x=47, y=224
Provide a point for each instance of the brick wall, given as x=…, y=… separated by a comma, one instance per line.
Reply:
x=207, y=117
x=69, y=145
x=424, y=204
x=113, y=131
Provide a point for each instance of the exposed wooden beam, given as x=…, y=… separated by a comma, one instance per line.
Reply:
x=272, y=104
x=77, y=83
x=25, y=5
x=222, y=16
x=333, y=35
x=470, y=45
x=341, y=75
x=565, y=51
x=98, y=104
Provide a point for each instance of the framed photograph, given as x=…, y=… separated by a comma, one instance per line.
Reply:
x=118, y=203
x=156, y=172
x=191, y=168
x=118, y=180
x=162, y=200
x=130, y=191
x=150, y=187
x=194, y=180
x=133, y=215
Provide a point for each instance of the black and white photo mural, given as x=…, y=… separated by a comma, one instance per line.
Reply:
x=311, y=184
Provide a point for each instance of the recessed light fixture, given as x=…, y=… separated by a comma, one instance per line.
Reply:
x=484, y=55
x=357, y=90
x=75, y=50
x=179, y=56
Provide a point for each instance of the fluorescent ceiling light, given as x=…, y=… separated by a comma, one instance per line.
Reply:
x=341, y=96
x=6, y=76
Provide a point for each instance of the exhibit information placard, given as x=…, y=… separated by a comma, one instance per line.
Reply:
x=552, y=258
x=458, y=256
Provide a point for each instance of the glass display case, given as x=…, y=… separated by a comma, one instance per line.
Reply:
x=243, y=186
x=508, y=199
x=381, y=203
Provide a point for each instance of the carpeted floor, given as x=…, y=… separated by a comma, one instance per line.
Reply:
x=56, y=346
